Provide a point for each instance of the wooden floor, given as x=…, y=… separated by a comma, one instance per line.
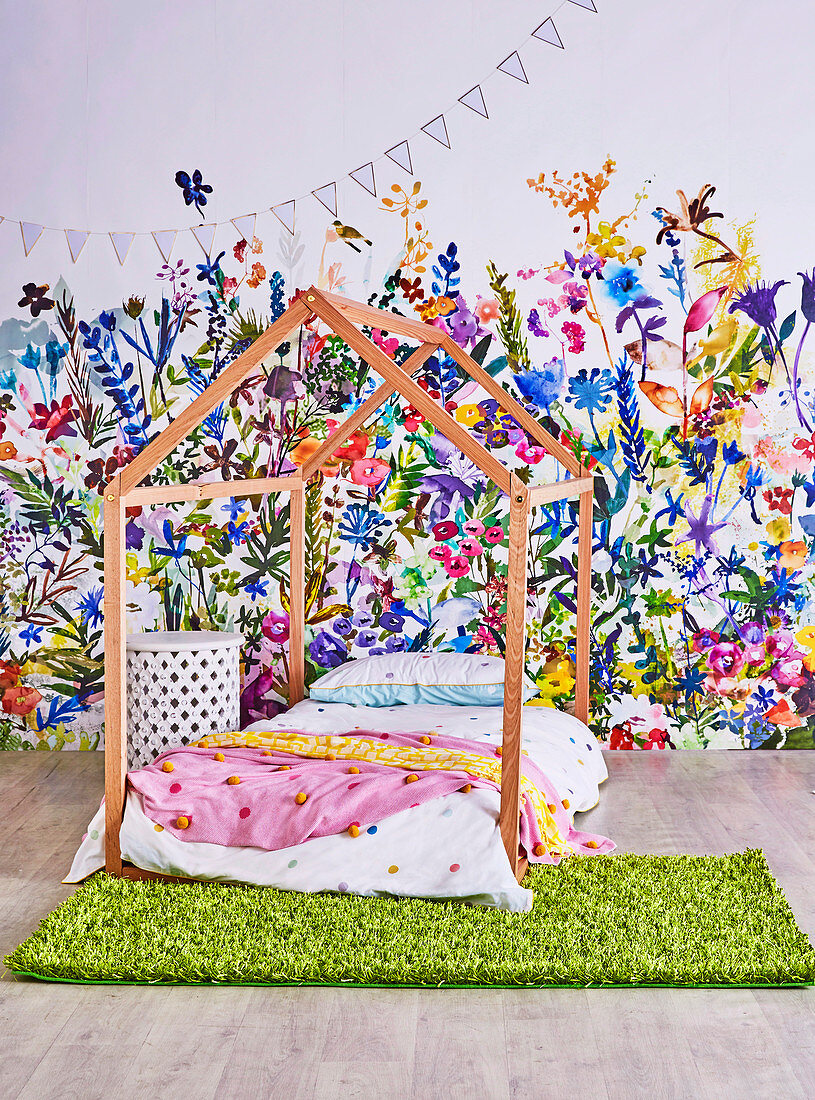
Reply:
x=86, y=1042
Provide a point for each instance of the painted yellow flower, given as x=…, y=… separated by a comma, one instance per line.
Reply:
x=778, y=530
x=469, y=415
x=806, y=637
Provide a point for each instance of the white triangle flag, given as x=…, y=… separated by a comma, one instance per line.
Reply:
x=513, y=66
x=474, y=99
x=31, y=234
x=400, y=154
x=587, y=4
x=437, y=129
x=205, y=235
x=165, y=239
x=327, y=195
x=364, y=176
x=121, y=244
x=284, y=213
x=547, y=32
x=76, y=239
x=245, y=226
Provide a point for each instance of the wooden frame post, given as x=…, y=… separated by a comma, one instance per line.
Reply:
x=514, y=671
x=115, y=673
x=297, y=591
x=582, y=653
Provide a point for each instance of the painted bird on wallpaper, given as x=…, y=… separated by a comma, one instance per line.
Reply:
x=349, y=234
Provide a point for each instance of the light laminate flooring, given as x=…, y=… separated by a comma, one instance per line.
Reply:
x=65, y=1041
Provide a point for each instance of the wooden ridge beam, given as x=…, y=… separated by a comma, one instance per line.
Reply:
x=404, y=385
x=217, y=391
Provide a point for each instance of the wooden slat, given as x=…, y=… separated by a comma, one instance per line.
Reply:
x=115, y=674
x=559, y=490
x=383, y=319
x=513, y=407
x=582, y=659
x=437, y=415
x=380, y=395
x=217, y=391
x=242, y=487
x=297, y=592
x=515, y=657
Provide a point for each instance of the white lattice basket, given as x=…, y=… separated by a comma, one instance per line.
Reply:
x=181, y=685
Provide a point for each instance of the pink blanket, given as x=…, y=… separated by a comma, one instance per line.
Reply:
x=188, y=792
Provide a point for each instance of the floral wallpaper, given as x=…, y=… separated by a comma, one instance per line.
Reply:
x=652, y=345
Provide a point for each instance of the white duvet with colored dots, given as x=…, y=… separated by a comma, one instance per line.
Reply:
x=447, y=848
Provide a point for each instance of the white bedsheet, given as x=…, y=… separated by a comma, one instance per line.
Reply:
x=447, y=848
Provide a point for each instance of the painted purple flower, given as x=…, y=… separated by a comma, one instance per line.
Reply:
x=389, y=621
x=276, y=627
x=534, y=324
x=758, y=302
x=808, y=295
x=365, y=639
x=342, y=626
x=134, y=536
x=254, y=702
x=725, y=658
x=701, y=529
x=327, y=651
x=395, y=645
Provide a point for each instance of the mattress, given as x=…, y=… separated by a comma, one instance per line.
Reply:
x=448, y=848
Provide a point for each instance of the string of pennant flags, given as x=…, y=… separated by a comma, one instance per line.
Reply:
x=364, y=176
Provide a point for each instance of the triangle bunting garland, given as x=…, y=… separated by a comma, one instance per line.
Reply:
x=437, y=129
x=513, y=66
x=121, y=244
x=327, y=195
x=474, y=99
x=400, y=154
x=284, y=212
x=76, y=239
x=31, y=234
x=587, y=4
x=547, y=32
x=205, y=235
x=165, y=239
x=364, y=176
x=245, y=226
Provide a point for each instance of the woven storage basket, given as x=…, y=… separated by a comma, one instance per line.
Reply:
x=181, y=685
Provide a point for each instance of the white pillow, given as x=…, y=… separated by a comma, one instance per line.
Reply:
x=458, y=679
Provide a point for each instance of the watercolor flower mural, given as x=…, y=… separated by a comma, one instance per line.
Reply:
x=652, y=345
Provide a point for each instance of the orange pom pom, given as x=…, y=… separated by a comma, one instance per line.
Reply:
x=591, y=844
x=330, y=756
x=353, y=771
x=466, y=788
x=233, y=779
x=300, y=798
x=182, y=822
x=499, y=751
x=551, y=807
x=167, y=766
x=353, y=830
x=425, y=740
x=284, y=768
x=219, y=756
x=565, y=803
x=411, y=778
x=266, y=752
x=538, y=850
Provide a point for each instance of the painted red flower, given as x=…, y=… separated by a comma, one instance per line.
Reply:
x=55, y=421
x=369, y=471
x=621, y=737
x=779, y=500
x=20, y=700
x=444, y=530
x=9, y=674
x=457, y=566
x=806, y=447
x=239, y=251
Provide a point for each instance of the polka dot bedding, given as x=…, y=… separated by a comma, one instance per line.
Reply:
x=446, y=847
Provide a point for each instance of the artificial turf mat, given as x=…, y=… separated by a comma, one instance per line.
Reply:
x=608, y=920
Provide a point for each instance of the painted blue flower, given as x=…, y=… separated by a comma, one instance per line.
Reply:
x=193, y=188
x=591, y=390
x=674, y=509
x=238, y=533
x=391, y=622
x=540, y=387
x=174, y=550
x=256, y=588
x=731, y=453
x=32, y=635
x=234, y=508
x=365, y=639
x=361, y=525
x=757, y=731
x=91, y=607
x=327, y=651
x=621, y=283
x=207, y=271
x=692, y=682
x=107, y=320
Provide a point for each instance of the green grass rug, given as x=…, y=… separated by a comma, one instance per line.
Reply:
x=608, y=920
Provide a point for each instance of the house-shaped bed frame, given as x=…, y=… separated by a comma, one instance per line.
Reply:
x=342, y=316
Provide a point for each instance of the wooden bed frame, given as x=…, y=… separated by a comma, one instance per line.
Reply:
x=342, y=316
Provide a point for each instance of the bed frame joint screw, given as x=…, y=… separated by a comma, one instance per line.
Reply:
x=110, y=496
